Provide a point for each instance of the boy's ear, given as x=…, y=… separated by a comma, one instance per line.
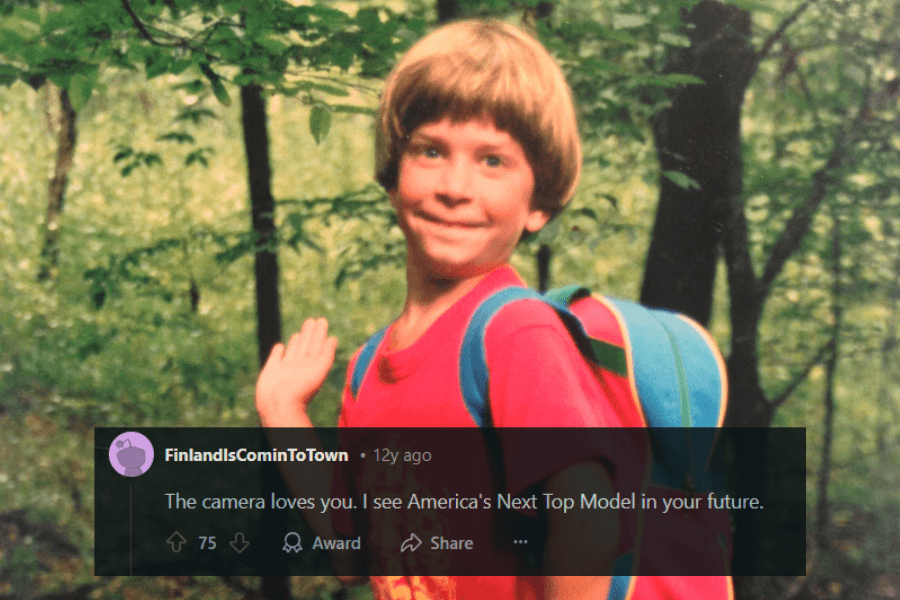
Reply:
x=536, y=219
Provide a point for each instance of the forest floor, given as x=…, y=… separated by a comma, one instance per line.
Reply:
x=855, y=566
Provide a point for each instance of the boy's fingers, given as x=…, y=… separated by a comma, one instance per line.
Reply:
x=292, y=345
x=309, y=340
x=314, y=338
x=320, y=336
x=276, y=354
x=331, y=347
x=323, y=358
x=326, y=349
x=305, y=338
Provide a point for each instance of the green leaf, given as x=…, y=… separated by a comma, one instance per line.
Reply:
x=753, y=6
x=368, y=19
x=594, y=64
x=195, y=115
x=61, y=19
x=25, y=13
x=356, y=110
x=319, y=122
x=216, y=82
x=681, y=180
x=178, y=67
x=220, y=92
x=674, y=39
x=243, y=247
x=611, y=199
x=177, y=136
x=339, y=55
x=152, y=158
x=8, y=75
x=157, y=63
x=587, y=212
x=192, y=87
x=273, y=45
x=328, y=89
x=243, y=79
x=60, y=80
x=80, y=89
x=123, y=153
x=629, y=21
x=196, y=157
x=22, y=25
x=676, y=79
x=11, y=39
x=295, y=222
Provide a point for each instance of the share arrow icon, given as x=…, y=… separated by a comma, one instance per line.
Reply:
x=412, y=544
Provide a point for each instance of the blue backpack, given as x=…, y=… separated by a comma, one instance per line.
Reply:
x=664, y=363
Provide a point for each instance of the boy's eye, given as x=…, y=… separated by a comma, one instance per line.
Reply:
x=492, y=160
x=425, y=150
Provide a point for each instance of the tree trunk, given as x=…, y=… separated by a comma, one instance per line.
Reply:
x=544, y=254
x=65, y=151
x=822, y=513
x=698, y=135
x=447, y=10
x=747, y=404
x=887, y=414
x=262, y=210
x=268, y=310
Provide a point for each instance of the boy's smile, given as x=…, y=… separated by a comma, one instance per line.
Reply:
x=464, y=197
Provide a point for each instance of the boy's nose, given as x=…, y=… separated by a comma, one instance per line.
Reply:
x=454, y=184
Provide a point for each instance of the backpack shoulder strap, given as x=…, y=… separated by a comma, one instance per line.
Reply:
x=363, y=360
x=473, y=370
x=607, y=355
x=565, y=296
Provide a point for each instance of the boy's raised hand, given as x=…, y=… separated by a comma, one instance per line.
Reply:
x=293, y=374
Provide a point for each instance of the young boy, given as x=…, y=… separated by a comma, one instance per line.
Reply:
x=477, y=146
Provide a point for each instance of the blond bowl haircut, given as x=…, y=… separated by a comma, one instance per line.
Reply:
x=475, y=69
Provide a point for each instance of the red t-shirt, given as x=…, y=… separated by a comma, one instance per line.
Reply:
x=537, y=375
x=537, y=378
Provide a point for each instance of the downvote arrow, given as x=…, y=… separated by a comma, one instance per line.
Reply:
x=239, y=543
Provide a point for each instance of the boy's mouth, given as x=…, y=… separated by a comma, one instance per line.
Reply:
x=449, y=223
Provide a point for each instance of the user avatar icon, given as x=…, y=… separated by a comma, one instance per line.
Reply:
x=290, y=545
x=131, y=454
x=130, y=457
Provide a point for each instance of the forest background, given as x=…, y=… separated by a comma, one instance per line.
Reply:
x=186, y=180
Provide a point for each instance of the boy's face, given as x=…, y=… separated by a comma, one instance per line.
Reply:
x=463, y=197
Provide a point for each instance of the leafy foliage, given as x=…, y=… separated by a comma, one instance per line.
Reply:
x=288, y=48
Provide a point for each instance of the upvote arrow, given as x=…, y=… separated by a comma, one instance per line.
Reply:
x=239, y=543
x=176, y=541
